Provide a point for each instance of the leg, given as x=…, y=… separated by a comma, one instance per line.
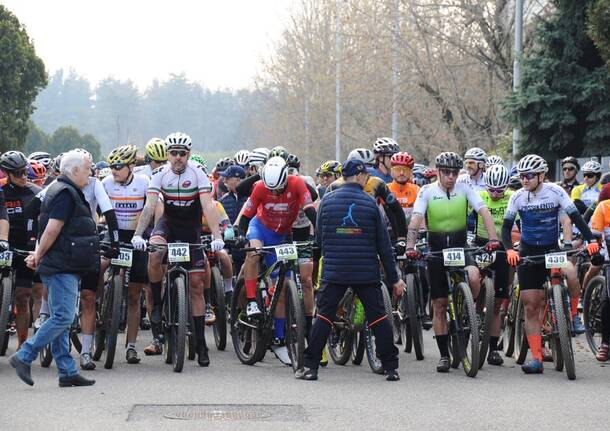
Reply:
x=22, y=320
x=36, y=297
x=474, y=280
x=198, y=310
x=532, y=301
x=306, y=272
x=133, y=313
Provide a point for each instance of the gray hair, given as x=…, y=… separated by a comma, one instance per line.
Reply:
x=72, y=159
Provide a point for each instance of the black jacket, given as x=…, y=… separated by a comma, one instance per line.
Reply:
x=76, y=249
x=353, y=237
x=232, y=203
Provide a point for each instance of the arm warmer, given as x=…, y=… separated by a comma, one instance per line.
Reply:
x=311, y=215
x=244, y=188
x=243, y=224
x=312, y=191
x=113, y=227
x=507, y=228
x=581, y=225
x=397, y=218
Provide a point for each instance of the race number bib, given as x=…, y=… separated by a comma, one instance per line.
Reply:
x=485, y=259
x=178, y=252
x=125, y=258
x=556, y=260
x=454, y=257
x=286, y=252
x=6, y=258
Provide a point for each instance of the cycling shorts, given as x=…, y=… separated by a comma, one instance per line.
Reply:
x=139, y=265
x=176, y=230
x=24, y=276
x=302, y=234
x=260, y=232
x=90, y=280
x=438, y=276
x=533, y=276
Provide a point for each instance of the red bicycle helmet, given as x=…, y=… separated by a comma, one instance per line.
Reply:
x=38, y=170
x=430, y=173
x=402, y=158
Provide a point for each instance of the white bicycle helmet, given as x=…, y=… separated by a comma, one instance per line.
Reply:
x=385, y=146
x=493, y=160
x=496, y=177
x=365, y=155
x=178, y=140
x=42, y=157
x=532, y=163
x=592, y=167
x=475, y=153
x=85, y=152
x=258, y=156
x=275, y=173
x=242, y=157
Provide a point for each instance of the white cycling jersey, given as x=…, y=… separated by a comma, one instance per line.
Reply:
x=145, y=170
x=539, y=213
x=94, y=194
x=127, y=199
x=477, y=185
x=181, y=191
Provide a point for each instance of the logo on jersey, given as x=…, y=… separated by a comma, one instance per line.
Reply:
x=186, y=184
x=14, y=207
x=279, y=207
x=126, y=205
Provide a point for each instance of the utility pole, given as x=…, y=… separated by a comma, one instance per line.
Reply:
x=338, y=81
x=517, y=67
x=395, y=91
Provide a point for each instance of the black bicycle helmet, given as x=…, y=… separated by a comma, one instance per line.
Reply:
x=293, y=161
x=449, y=159
x=13, y=161
x=224, y=163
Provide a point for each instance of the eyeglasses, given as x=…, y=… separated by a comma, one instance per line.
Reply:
x=326, y=175
x=528, y=176
x=569, y=168
x=176, y=153
x=117, y=166
x=496, y=191
x=589, y=175
x=450, y=172
x=20, y=173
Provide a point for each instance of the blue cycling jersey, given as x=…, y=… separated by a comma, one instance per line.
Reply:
x=387, y=178
x=539, y=213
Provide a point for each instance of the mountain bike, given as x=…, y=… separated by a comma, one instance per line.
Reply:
x=596, y=291
x=485, y=301
x=216, y=295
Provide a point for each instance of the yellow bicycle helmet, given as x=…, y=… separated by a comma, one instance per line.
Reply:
x=331, y=167
x=156, y=150
x=125, y=155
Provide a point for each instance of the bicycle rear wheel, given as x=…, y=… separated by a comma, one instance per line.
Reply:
x=485, y=311
x=562, y=319
x=341, y=339
x=592, y=306
x=358, y=347
x=508, y=335
x=295, y=324
x=111, y=315
x=246, y=335
x=217, y=297
x=177, y=323
x=371, y=351
x=521, y=346
x=6, y=296
x=465, y=339
x=415, y=314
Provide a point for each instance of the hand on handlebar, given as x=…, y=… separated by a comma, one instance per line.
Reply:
x=413, y=254
x=493, y=245
x=400, y=247
x=138, y=243
x=112, y=252
x=593, y=248
x=217, y=245
x=4, y=246
x=512, y=257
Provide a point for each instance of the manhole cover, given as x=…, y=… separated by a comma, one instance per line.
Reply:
x=218, y=412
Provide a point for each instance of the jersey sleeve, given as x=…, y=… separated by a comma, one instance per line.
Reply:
x=305, y=200
x=597, y=220
x=103, y=201
x=203, y=182
x=154, y=186
x=251, y=205
x=565, y=202
x=512, y=209
x=421, y=202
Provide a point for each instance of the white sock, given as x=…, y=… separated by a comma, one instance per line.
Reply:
x=228, y=284
x=87, y=340
x=44, y=307
x=131, y=346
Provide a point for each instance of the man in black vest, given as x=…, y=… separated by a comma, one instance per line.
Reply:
x=353, y=238
x=68, y=247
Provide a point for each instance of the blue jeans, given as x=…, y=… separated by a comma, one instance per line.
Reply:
x=63, y=291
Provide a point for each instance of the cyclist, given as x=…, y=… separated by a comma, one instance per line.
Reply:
x=474, y=162
x=538, y=204
x=37, y=173
x=384, y=149
x=402, y=187
x=328, y=172
x=444, y=204
x=126, y=190
x=233, y=201
x=493, y=160
x=267, y=219
x=569, y=170
x=42, y=157
x=186, y=190
x=586, y=194
x=496, y=198
x=18, y=193
x=219, y=187
x=242, y=158
x=155, y=157
x=256, y=160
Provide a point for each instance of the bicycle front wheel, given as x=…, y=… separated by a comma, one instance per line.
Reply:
x=5, y=310
x=371, y=351
x=217, y=297
x=295, y=325
x=246, y=335
x=485, y=310
x=562, y=319
x=177, y=323
x=592, y=312
x=508, y=333
x=521, y=345
x=415, y=315
x=465, y=339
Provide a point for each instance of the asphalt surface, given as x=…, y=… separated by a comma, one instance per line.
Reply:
x=232, y=396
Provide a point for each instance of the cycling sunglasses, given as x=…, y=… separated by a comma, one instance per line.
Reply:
x=401, y=169
x=176, y=153
x=589, y=175
x=569, y=168
x=20, y=173
x=496, y=191
x=117, y=166
x=528, y=176
x=449, y=172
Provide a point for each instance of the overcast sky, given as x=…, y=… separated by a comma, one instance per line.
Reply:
x=216, y=42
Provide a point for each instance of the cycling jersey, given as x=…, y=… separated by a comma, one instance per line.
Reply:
x=601, y=218
x=405, y=195
x=588, y=195
x=375, y=187
x=539, y=212
x=278, y=212
x=16, y=199
x=497, y=209
x=477, y=185
x=446, y=211
x=94, y=194
x=224, y=219
x=302, y=220
x=386, y=178
x=181, y=191
x=127, y=199
x=568, y=186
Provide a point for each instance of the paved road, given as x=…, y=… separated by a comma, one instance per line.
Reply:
x=267, y=397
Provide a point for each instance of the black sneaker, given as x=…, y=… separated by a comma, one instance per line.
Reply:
x=494, y=358
x=132, y=356
x=392, y=375
x=426, y=322
x=306, y=374
x=202, y=357
x=443, y=365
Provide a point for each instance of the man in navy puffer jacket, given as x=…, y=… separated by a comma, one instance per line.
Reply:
x=353, y=238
